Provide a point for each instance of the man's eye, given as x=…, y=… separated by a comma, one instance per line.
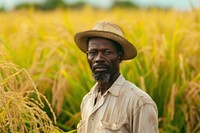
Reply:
x=91, y=53
x=107, y=52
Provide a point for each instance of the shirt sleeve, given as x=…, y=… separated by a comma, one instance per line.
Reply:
x=146, y=119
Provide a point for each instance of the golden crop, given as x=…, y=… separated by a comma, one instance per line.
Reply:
x=167, y=66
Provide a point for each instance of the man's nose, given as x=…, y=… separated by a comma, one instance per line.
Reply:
x=99, y=57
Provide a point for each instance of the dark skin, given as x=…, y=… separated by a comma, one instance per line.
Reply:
x=103, y=57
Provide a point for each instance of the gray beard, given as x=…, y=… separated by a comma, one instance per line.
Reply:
x=101, y=77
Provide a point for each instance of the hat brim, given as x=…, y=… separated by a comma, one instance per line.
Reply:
x=81, y=40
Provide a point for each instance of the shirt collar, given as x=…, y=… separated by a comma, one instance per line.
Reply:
x=116, y=86
x=114, y=89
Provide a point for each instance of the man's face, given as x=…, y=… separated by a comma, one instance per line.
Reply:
x=103, y=59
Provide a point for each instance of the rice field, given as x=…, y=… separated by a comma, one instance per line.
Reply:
x=41, y=44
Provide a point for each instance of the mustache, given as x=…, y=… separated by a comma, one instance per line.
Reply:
x=100, y=65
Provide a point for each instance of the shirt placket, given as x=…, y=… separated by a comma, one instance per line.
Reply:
x=96, y=107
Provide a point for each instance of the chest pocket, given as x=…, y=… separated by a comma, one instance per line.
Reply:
x=106, y=127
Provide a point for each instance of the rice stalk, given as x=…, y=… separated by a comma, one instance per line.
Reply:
x=21, y=109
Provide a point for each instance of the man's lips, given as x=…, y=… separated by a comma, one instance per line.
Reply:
x=99, y=68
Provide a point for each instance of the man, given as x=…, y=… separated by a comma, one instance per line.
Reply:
x=114, y=105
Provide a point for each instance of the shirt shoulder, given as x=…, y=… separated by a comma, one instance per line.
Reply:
x=137, y=96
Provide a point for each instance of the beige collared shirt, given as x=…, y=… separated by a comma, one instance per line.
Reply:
x=124, y=108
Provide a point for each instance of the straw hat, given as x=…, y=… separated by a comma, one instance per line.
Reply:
x=110, y=31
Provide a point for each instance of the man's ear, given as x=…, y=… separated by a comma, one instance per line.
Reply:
x=120, y=56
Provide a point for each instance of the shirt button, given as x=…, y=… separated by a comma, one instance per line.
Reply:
x=92, y=118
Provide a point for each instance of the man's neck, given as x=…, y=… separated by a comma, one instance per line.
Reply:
x=103, y=87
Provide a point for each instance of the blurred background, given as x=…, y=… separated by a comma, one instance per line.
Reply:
x=38, y=35
x=50, y=4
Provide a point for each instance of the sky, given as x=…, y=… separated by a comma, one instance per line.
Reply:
x=177, y=4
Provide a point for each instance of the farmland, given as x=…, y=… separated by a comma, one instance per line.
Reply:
x=167, y=66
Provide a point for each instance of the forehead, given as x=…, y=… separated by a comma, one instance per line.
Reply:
x=99, y=42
